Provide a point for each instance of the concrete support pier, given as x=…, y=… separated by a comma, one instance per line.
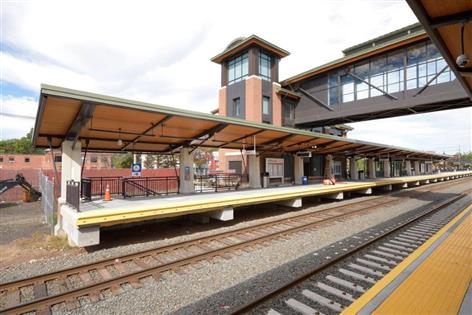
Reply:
x=367, y=191
x=353, y=168
x=416, y=166
x=186, y=171
x=254, y=167
x=335, y=196
x=386, y=165
x=371, y=168
x=298, y=169
x=226, y=214
x=292, y=203
x=408, y=167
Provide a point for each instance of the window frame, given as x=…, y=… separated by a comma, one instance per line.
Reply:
x=241, y=61
x=263, y=56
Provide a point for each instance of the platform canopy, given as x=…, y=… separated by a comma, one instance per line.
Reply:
x=109, y=124
x=443, y=21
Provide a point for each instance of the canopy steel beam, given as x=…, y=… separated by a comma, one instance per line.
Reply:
x=144, y=133
x=279, y=140
x=241, y=138
x=197, y=137
x=210, y=134
x=83, y=116
x=456, y=18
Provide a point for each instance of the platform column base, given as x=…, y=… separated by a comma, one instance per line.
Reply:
x=335, y=196
x=367, y=191
x=292, y=203
x=226, y=214
x=402, y=185
x=78, y=236
x=198, y=218
x=385, y=188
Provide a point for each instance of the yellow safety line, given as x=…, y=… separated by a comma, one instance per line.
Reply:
x=362, y=301
x=115, y=216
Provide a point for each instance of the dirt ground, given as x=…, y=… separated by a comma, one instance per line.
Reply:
x=24, y=236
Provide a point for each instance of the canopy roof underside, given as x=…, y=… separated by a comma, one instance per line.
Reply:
x=100, y=121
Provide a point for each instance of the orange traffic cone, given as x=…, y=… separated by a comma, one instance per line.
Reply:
x=107, y=194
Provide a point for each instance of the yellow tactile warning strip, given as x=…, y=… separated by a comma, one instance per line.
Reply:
x=137, y=212
x=437, y=285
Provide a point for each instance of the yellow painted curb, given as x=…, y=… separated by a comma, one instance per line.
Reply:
x=362, y=301
x=112, y=216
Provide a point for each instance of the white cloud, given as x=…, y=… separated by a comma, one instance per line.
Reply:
x=13, y=116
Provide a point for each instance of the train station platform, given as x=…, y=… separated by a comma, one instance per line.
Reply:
x=83, y=228
x=435, y=279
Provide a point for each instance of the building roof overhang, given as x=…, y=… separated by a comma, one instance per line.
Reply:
x=252, y=40
x=405, y=40
x=98, y=122
x=442, y=20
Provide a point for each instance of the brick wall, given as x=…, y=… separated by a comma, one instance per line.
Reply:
x=32, y=176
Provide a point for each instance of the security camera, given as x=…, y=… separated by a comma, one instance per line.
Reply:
x=462, y=60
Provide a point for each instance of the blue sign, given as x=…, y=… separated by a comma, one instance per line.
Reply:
x=136, y=169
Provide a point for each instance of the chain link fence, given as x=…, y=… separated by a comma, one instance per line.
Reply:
x=48, y=200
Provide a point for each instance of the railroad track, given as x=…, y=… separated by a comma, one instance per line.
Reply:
x=332, y=286
x=69, y=288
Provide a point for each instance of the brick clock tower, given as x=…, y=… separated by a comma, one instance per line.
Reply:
x=249, y=86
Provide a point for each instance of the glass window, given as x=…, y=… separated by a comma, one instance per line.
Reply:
x=11, y=159
x=237, y=107
x=238, y=69
x=347, y=85
x=264, y=66
x=58, y=158
x=27, y=159
x=93, y=159
x=265, y=105
x=362, y=88
x=333, y=90
x=1, y=159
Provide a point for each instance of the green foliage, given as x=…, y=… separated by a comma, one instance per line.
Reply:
x=19, y=146
x=122, y=160
x=466, y=156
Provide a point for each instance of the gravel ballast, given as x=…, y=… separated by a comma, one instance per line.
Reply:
x=176, y=291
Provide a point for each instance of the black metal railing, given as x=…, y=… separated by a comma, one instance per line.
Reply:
x=218, y=182
x=73, y=194
x=149, y=186
x=96, y=186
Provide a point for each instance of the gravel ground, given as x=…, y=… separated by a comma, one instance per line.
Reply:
x=20, y=220
x=176, y=291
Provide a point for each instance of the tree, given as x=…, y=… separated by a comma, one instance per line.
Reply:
x=20, y=146
x=122, y=160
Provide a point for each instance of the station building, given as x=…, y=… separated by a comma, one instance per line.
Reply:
x=396, y=74
x=278, y=133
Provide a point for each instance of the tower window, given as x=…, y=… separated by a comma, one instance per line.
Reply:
x=265, y=105
x=264, y=65
x=237, y=107
x=238, y=69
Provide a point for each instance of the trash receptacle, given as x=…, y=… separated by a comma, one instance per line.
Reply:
x=265, y=180
x=304, y=180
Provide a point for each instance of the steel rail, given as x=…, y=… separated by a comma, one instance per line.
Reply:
x=95, y=288
x=110, y=261
x=306, y=276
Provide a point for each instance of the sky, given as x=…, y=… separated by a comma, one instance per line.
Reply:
x=159, y=52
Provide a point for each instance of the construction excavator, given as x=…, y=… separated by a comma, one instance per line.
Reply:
x=19, y=180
